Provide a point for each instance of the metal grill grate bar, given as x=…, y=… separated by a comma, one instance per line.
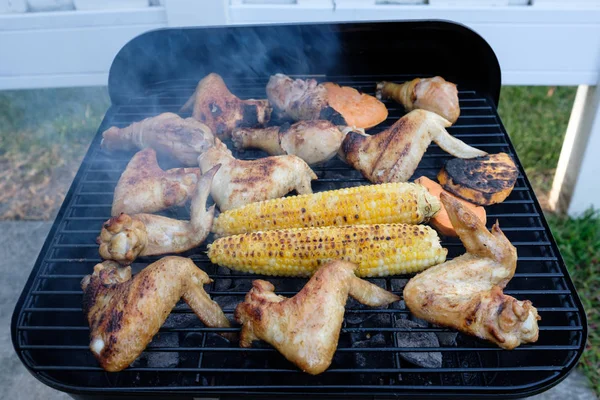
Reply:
x=51, y=332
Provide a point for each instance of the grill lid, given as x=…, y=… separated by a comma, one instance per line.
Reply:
x=421, y=48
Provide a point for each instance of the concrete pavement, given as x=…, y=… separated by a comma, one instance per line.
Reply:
x=21, y=243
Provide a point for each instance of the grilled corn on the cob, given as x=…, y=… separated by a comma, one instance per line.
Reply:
x=379, y=250
x=387, y=203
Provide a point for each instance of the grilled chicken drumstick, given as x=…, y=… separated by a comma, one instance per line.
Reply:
x=313, y=141
x=167, y=133
x=214, y=105
x=125, y=237
x=124, y=313
x=394, y=154
x=240, y=182
x=466, y=292
x=432, y=94
x=145, y=188
x=306, y=327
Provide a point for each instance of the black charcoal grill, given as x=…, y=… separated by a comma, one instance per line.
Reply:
x=156, y=73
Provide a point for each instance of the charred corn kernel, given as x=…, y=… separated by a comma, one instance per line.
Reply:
x=387, y=203
x=379, y=250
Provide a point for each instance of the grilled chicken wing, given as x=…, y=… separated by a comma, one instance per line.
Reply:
x=213, y=104
x=124, y=313
x=466, y=292
x=394, y=154
x=168, y=133
x=313, y=141
x=125, y=237
x=432, y=94
x=306, y=327
x=240, y=182
x=145, y=188
x=300, y=99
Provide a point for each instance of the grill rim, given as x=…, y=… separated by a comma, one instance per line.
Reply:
x=227, y=391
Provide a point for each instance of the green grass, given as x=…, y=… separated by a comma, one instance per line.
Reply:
x=43, y=136
x=536, y=119
x=50, y=117
x=579, y=242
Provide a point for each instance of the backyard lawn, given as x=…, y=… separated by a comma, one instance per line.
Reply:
x=44, y=135
x=536, y=119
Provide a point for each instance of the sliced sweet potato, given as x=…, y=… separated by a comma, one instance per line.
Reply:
x=441, y=221
x=358, y=109
x=482, y=180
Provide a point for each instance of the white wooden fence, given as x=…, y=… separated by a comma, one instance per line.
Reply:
x=538, y=42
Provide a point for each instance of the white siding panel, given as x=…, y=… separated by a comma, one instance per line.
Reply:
x=63, y=51
x=196, y=13
x=82, y=19
x=566, y=50
x=533, y=46
x=53, y=80
x=70, y=48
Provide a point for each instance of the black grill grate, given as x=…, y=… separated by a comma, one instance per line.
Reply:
x=51, y=335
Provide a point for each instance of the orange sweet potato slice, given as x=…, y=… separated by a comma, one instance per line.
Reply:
x=358, y=109
x=441, y=222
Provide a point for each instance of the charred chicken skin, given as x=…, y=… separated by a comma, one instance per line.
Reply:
x=466, y=292
x=240, y=182
x=306, y=327
x=432, y=94
x=313, y=141
x=307, y=100
x=124, y=314
x=214, y=105
x=125, y=237
x=301, y=99
x=167, y=133
x=145, y=188
x=394, y=154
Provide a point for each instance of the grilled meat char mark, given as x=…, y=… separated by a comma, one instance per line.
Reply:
x=240, y=182
x=155, y=189
x=394, y=154
x=301, y=99
x=214, y=105
x=124, y=313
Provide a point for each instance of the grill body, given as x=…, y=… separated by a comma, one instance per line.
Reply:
x=188, y=360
